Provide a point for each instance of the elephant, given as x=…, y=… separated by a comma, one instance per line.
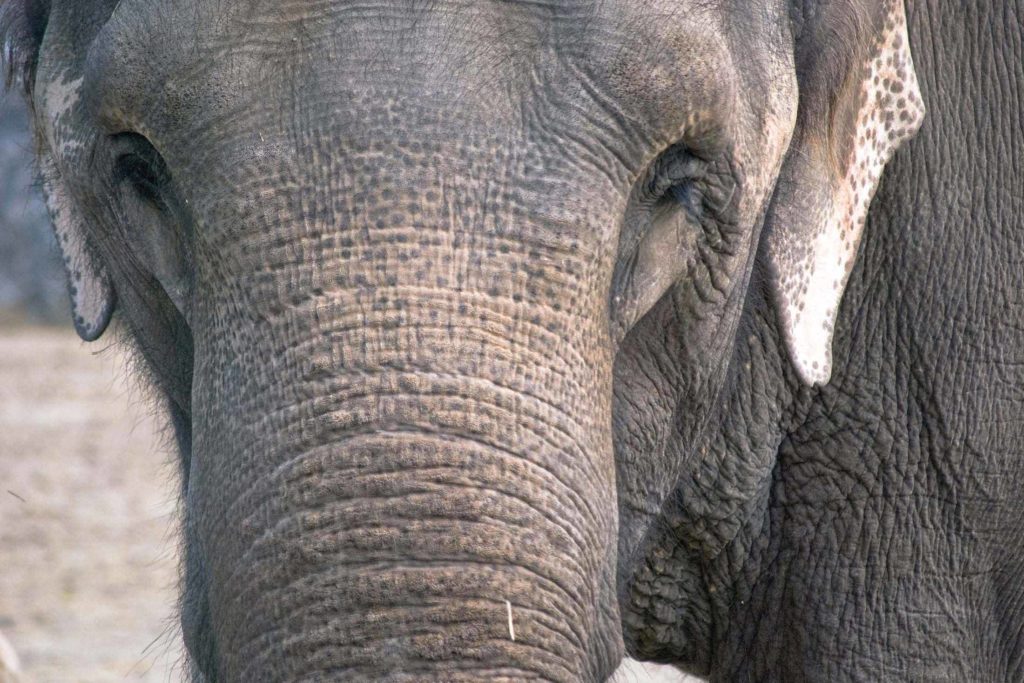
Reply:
x=501, y=339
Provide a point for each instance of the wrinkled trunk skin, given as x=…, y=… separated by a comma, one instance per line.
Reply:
x=401, y=415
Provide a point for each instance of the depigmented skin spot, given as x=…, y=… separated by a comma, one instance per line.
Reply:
x=813, y=248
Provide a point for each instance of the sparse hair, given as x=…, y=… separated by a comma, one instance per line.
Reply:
x=22, y=25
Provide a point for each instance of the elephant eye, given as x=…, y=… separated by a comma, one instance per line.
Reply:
x=140, y=165
x=687, y=196
x=703, y=187
x=674, y=177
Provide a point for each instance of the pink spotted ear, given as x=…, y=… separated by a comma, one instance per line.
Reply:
x=847, y=130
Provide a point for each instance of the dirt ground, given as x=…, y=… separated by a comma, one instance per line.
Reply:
x=87, y=513
x=87, y=519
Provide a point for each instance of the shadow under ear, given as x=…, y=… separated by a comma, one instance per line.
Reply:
x=848, y=127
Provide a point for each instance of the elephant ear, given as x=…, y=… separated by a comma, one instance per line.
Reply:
x=53, y=89
x=859, y=100
x=92, y=293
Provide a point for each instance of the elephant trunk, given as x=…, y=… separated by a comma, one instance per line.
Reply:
x=397, y=553
x=427, y=473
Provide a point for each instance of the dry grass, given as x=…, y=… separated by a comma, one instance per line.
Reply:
x=87, y=543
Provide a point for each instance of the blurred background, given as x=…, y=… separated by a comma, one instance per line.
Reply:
x=31, y=281
x=87, y=495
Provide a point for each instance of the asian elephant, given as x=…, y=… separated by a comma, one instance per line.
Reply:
x=502, y=338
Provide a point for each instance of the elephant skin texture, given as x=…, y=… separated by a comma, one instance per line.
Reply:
x=501, y=340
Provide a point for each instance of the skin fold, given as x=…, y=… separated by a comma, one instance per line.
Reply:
x=503, y=339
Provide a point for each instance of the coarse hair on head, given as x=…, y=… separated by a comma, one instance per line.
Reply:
x=22, y=25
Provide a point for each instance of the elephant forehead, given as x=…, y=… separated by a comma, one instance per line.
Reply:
x=627, y=76
x=335, y=180
x=252, y=53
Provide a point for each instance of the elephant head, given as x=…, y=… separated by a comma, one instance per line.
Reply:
x=387, y=263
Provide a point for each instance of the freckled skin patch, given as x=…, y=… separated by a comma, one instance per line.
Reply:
x=815, y=238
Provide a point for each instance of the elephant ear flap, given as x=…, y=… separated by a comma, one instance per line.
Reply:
x=859, y=100
x=92, y=293
x=24, y=26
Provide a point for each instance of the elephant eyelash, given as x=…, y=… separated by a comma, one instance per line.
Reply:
x=702, y=183
x=676, y=168
x=141, y=167
x=135, y=171
x=688, y=196
x=709, y=194
x=681, y=179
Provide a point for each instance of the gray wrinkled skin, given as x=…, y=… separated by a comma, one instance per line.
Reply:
x=486, y=311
